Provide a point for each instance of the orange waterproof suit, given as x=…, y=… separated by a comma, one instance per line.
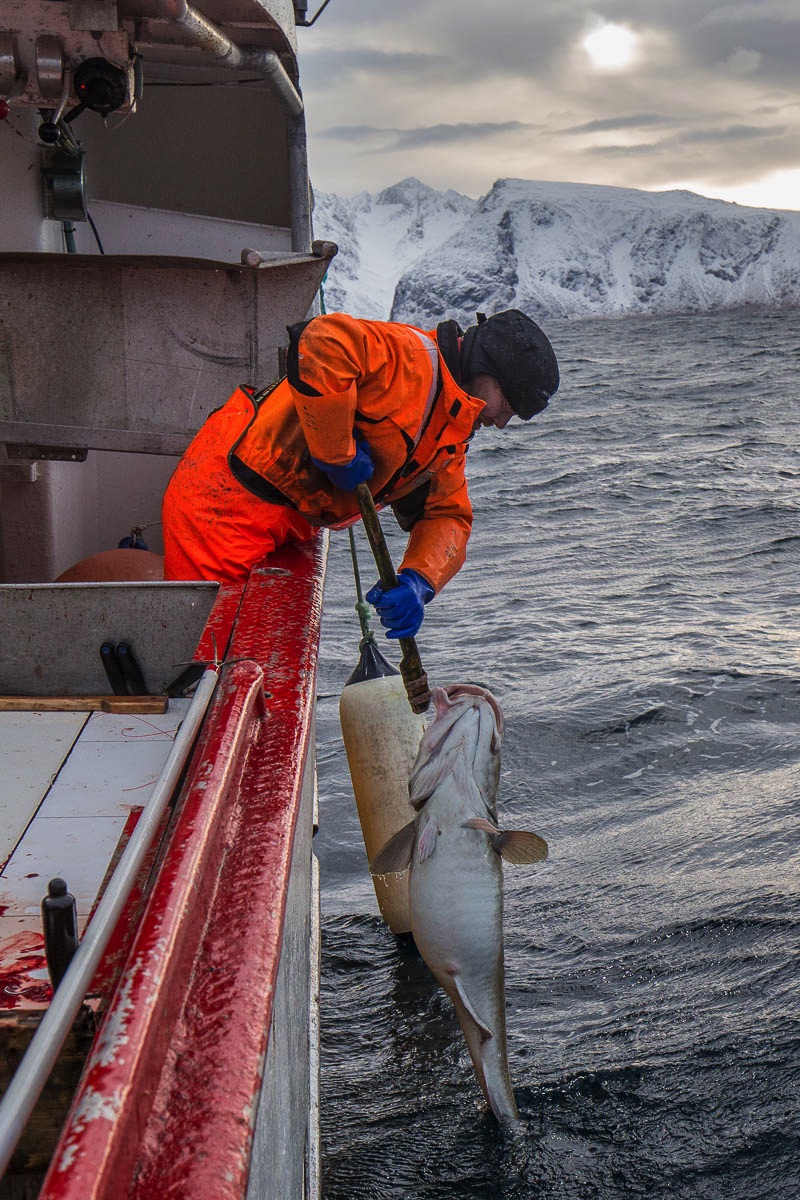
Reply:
x=247, y=483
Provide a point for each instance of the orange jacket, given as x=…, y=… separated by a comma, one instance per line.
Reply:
x=389, y=382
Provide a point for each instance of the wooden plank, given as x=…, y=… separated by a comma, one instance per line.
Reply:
x=110, y=704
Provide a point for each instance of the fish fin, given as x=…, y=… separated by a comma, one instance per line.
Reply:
x=482, y=825
x=513, y=845
x=484, y=1029
x=427, y=840
x=395, y=856
x=428, y=774
x=519, y=847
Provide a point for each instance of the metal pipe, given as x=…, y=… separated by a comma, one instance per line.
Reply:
x=208, y=37
x=32, y=1073
x=299, y=188
x=267, y=63
x=200, y=30
x=205, y=35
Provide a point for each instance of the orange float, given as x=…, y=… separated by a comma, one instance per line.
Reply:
x=111, y=566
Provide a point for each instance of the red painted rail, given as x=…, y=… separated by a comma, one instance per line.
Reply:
x=167, y=1103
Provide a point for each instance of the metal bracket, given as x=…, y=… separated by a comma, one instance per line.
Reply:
x=27, y=472
x=98, y=16
x=64, y=178
x=47, y=453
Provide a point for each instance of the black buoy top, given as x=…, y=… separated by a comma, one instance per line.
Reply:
x=371, y=664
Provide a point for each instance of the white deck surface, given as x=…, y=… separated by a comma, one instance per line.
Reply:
x=32, y=748
x=69, y=782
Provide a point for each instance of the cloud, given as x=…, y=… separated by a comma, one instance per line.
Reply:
x=733, y=37
x=353, y=133
x=734, y=133
x=332, y=68
x=743, y=62
x=609, y=124
x=638, y=150
x=448, y=134
x=460, y=97
x=468, y=41
x=432, y=135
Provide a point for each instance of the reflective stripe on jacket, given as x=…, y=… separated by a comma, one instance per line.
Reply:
x=379, y=378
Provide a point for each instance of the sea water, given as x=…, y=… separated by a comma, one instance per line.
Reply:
x=632, y=597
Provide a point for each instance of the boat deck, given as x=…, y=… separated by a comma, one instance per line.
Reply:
x=74, y=787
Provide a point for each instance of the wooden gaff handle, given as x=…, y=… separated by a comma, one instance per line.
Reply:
x=411, y=669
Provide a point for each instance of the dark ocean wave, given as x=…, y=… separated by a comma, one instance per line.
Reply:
x=631, y=595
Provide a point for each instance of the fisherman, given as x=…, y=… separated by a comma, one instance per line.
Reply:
x=362, y=401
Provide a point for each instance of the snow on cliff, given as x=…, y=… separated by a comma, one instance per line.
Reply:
x=380, y=237
x=413, y=254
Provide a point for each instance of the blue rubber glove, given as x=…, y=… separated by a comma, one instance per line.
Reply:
x=349, y=475
x=401, y=609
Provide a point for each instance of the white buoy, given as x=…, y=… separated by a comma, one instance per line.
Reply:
x=381, y=737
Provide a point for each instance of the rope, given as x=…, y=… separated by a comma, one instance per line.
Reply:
x=362, y=608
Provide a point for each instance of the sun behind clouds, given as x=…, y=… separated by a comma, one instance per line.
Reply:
x=610, y=47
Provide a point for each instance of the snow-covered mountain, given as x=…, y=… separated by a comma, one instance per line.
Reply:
x=380, y=238
x=413, y=254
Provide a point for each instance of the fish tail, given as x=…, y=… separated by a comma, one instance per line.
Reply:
x=497, y=1084
x=487, y=1051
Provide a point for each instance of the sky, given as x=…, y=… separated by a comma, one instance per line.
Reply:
x=651, y=94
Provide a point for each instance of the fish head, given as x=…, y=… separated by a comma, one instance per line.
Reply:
x=457, y=692
x=468, y=726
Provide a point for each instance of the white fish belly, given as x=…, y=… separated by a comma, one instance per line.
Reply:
x=457, y=917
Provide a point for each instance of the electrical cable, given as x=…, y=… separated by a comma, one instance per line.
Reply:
x=318, y=13
x=94, y=229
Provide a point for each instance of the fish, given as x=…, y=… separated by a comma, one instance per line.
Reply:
x=453, y=848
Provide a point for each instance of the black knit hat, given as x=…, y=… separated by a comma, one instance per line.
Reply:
x=512, y=349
